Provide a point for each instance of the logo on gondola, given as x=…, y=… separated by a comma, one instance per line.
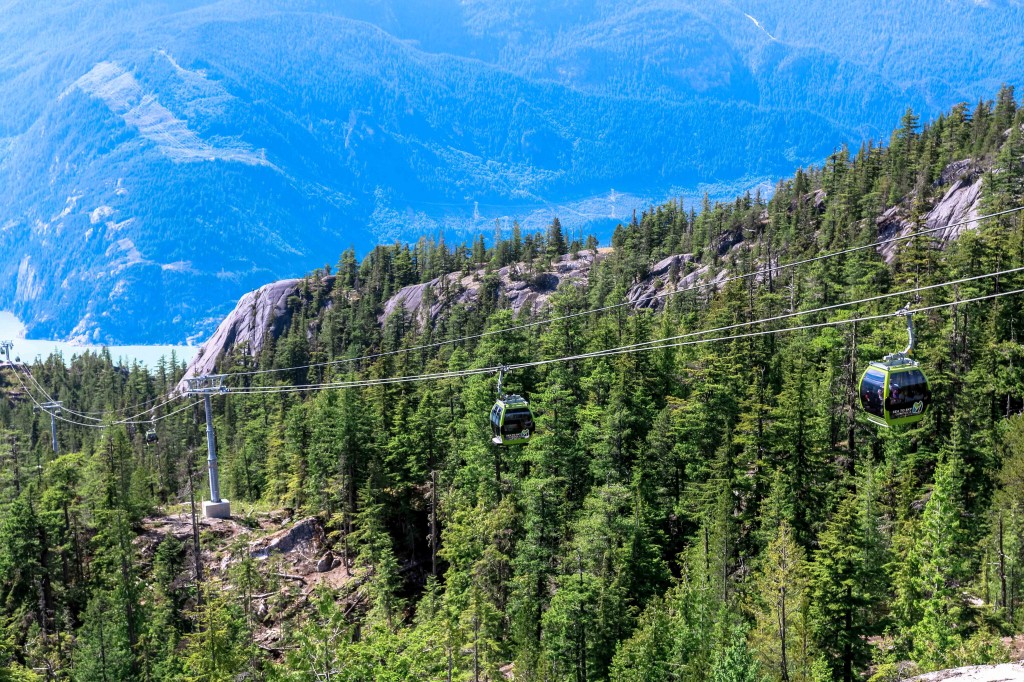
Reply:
x=918, y=407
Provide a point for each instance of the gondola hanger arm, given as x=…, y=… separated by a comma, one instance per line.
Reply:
x=501, y=378
x=906, y=312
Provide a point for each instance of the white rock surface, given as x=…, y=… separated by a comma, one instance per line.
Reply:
x=1005, y=672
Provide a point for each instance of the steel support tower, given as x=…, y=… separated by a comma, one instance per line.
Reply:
x=53, y=408
x=208, y=386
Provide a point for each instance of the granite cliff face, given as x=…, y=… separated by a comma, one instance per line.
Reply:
x=257, y=315
x=960, y=202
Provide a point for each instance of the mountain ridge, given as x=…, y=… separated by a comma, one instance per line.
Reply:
x=263, y=315
x=238, y=140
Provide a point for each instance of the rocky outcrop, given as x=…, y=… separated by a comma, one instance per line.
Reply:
x=265, y=312
x=305, y=536
x=672, y=274
x=814, y=200
x=960, y=202
x=817, y=199
x=257, y=314
x=521, y=290
x=666, y=275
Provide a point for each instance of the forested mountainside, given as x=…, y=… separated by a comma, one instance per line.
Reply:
x=717, y=510
x=159, y=159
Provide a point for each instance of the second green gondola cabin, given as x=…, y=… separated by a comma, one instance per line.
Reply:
x=893, y=395
x=511, y=421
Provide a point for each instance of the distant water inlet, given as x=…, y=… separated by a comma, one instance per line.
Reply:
x=11, y=328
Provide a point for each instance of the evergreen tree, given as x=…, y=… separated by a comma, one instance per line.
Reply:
x=943, y=572
x=781, y=637
x=838, y=601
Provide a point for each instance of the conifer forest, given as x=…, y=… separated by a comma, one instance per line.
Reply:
x=691, y=506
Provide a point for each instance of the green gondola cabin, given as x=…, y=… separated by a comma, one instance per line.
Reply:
x=895, y=394
x=511, y=421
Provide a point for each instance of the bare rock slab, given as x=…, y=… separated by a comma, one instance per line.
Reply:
x=305, y=536
x=1004, y=672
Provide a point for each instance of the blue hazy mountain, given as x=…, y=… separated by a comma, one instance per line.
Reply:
x=157, y=159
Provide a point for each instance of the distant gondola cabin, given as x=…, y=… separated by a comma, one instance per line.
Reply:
x=511, y=421
x=893, y=395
